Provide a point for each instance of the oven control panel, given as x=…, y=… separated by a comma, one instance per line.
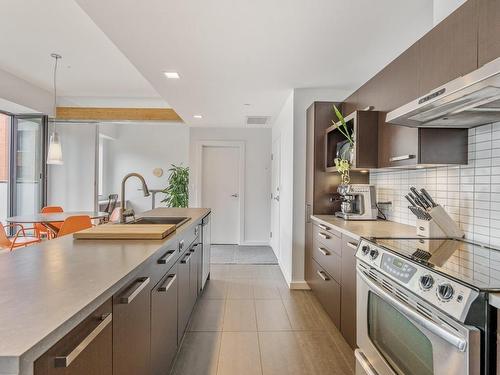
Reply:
x=448, y=295
x=397, y=268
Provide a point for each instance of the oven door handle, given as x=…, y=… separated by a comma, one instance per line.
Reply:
x=459, y=342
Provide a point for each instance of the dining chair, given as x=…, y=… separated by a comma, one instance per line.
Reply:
x=19, y=239
x=43, y=230
x=74, y=224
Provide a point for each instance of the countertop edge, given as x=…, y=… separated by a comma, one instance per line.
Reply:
x=337, y=228
x=23, y=364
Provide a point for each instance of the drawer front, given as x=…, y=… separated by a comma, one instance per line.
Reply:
x=327, y=259
x=326, y=290
x=328, y=239
x=87, y=349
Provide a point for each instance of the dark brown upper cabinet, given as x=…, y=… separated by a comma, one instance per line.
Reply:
x=489, y=31
x=449, y=50
x=364, y=125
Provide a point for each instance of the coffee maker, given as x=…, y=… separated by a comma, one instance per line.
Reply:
x=358, y=202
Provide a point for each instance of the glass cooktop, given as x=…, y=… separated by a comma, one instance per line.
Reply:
x=472, y=263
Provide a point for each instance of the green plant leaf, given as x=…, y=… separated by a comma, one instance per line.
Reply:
x=177, y=191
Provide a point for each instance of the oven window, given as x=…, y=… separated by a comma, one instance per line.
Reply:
x=407, y=350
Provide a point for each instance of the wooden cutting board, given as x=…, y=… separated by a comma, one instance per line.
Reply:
x=126, y=232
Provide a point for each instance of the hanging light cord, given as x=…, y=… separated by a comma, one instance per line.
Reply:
x=56, y=57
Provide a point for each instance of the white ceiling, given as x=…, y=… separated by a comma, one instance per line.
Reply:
x=232, y=52
x=92, y=66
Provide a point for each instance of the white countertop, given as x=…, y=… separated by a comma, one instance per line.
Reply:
x=47, y=289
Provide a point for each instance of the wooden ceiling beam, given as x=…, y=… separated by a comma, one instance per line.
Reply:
x=117, y=114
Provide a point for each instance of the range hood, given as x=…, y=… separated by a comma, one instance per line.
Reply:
x=466, y=102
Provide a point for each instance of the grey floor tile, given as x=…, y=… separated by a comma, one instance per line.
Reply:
x=239, y=354
x=198, y=354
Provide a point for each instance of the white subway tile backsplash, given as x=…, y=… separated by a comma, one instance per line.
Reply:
x=470, y=193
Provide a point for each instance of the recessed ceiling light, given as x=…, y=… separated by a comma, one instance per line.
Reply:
x=197, y=116
x=172, y=75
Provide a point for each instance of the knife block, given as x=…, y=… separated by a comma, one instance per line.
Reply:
x=429, y=228
x=441, y=225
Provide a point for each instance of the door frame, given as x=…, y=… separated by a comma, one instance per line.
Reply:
x=241, y=177
x=275, y=241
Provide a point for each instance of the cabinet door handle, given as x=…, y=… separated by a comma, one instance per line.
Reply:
x=352, y=245
x=141, y=284
x=166, y=258
x=322, y=275
x=323, y=251
x=168, y=283
x=401, y=157
x=326, y=237
x=324, y=227
x=186, y=259
x=181, y=245
x=65, y=361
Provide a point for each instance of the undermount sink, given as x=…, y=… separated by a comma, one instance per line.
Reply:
x=176, y=220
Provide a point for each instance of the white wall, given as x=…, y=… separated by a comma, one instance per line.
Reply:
x=290, y=126
x=72, y=185
x=257, y=176
x=443, y=8
x=25, y=94
x=141, y=147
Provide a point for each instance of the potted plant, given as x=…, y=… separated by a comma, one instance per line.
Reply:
x=343, y=163
x=176, y=192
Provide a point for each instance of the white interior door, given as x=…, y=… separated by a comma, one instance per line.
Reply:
x=220, y=191
x=275, y=198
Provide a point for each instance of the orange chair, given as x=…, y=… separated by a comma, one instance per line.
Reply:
x=20, y=238
x=41, y=229
x=74, y=224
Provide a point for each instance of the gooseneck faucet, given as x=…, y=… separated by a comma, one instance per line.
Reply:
x=124, y=212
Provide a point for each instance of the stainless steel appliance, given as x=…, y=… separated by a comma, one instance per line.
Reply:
x=422, y=307
x=358, y=202
x=468, y=101
x=206, y=242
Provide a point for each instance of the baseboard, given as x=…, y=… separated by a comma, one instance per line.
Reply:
x=254, y=243
x=299, y=285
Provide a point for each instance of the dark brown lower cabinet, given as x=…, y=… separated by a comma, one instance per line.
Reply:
x=164, y=323
x=326, y=290
x=131, y=328
x=184, y=298
x=348, y=294
x=94, y=334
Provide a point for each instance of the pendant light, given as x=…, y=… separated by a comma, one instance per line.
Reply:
x=54, y=155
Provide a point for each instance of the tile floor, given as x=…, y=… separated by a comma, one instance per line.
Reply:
x=235, y=254
x=248, y=322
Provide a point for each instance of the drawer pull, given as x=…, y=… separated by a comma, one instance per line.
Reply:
x=322, y=275
x=186, y=259
x=324, y=227
x=65, y=361
x=323, y=251
x=166, y=258
x=352, y=245
x=401, y=157
x=141, y=284
x=325, y=236
x=181, y=245
x=168, y=283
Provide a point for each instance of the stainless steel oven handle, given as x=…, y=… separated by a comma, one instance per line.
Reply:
x=459, y=342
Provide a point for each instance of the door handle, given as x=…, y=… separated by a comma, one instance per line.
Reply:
x=326, y=237
x=352, y=245
x=401, y=157
x=166, y=258
x=324, y=227
x=277, y=198
x=235, y=195
x=323, y=251
x=168, y=283
x=65, y=361
x=186, y=259
x=141, y=284
x=322, y=275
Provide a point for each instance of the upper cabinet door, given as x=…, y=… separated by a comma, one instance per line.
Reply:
x=489, y=31
x=449, y=50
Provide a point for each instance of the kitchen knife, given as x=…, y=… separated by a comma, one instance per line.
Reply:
x=425, y=205
x=412, y=202
x=417, y=201
x=428, y=197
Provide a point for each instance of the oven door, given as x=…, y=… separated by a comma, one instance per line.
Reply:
x=395, y=338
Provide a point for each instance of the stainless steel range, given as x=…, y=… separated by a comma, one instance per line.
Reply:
x=422, y=306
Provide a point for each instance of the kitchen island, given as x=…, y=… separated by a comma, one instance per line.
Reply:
x=51, y=289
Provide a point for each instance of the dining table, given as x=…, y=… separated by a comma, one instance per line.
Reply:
x=47, y=219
